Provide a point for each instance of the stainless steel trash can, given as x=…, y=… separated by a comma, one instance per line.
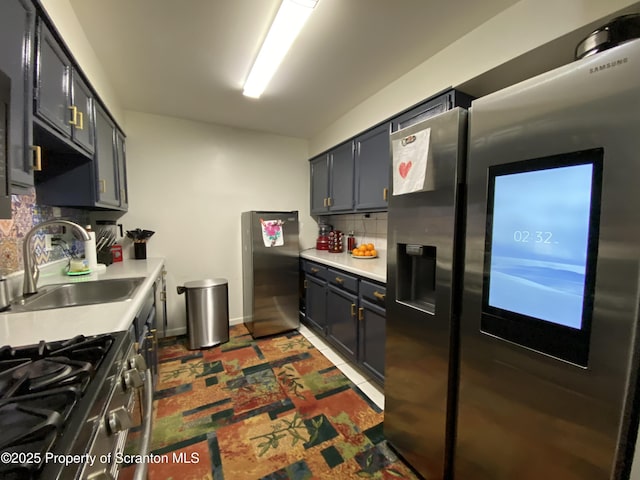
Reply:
x=207, y=312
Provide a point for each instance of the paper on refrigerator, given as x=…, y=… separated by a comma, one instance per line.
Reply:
x=272, y=233
x=410, y=161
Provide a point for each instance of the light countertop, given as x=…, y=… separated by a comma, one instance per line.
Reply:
x=375, y=268
x=26, y=328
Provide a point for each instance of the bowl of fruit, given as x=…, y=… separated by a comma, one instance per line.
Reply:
x=366, y=251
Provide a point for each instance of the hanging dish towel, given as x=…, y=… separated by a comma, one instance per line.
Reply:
x=410, y=155
x=272, y=233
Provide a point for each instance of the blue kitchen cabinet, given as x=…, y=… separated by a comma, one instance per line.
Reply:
x=332, y=176
x=316, y=302
x=354, y=176
x=341, y=178
x=64, y=103
x=319, y=184
x=107, y=181
x=372, y=328
x=121, y=159
x=17, y=31
x=349, y=312
x=342, y=308
x=315, y=293
x=342, y=324
x=95, y=183
x=372, y=166
x=83, y=150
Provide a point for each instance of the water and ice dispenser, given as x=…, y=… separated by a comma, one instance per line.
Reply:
x=416, y=276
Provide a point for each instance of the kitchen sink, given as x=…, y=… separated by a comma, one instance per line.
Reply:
x=78, y=293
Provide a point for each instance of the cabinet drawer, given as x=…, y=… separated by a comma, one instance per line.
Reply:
x=315, y=269
x=373, y=292
x=342, y=280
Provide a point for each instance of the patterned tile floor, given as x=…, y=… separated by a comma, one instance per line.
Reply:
x=370, y=388
x=274, y=409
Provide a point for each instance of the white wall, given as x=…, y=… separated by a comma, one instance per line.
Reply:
x=523, y=27
x=189, y=182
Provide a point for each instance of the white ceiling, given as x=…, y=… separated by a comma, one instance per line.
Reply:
x=189, y=58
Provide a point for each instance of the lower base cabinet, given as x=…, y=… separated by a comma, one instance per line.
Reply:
x=342, y=325
x=372, y=328
x=349, y=312
x=316, y=302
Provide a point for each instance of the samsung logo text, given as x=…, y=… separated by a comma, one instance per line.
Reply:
x=608, y=65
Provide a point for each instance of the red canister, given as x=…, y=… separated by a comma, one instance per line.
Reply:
x=116, y=252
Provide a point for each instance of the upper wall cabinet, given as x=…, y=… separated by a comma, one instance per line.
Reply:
x=17, y=28
x=98, y=184
x=63, y=102
x=332, y=181
x=82, y=150
x=106, y=161
x=431, y=107
x=319, y=184
x=121, y=154
x=354, y=177
x=372, y=161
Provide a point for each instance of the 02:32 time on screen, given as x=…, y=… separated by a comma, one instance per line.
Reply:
x=525, y=236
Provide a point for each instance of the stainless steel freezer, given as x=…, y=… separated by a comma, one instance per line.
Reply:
x=424, y=263
x=270, y=269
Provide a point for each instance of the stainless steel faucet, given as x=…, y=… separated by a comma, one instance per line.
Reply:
x=31, y=270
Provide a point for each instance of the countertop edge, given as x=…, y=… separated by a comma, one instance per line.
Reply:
x=375, y=269
x=26, y=328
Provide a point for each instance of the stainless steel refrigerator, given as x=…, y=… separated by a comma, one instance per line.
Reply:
x=270, y=266
x=549, y=326
x=514, y=287
x=423, y=281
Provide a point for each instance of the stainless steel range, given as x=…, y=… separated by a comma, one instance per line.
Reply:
x=66, y=407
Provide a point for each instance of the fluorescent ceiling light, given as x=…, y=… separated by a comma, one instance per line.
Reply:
x=289, y=20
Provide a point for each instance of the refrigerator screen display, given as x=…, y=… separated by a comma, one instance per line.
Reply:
x=542, y=221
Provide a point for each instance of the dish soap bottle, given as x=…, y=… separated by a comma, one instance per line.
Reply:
x=90, y=254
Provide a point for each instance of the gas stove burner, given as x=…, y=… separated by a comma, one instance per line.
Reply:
x=41, y=369
x=51, y=396
x=40, y=375
x=87, y=349
x=54, y=371
x=30, y=431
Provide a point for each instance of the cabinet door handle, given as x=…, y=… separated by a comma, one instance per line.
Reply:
x=80, y=125
x=378, y=295
x=74, y=115
x=339, y=280
x=385, y=194
x=37, y=164
x=314, y=270
x=304, y=283
x=361, y=314
x=324, y=202
x=353, y=309
x=329, y=201
x=103, y=186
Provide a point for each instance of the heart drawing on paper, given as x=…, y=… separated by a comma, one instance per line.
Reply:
x=404, y=168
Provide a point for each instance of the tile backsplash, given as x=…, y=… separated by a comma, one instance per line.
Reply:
x=25, y=213
x=367, y=227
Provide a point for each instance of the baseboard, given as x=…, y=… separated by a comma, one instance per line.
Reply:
x=174, y=332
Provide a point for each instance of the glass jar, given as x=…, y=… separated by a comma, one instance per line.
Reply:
x=351, y=242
